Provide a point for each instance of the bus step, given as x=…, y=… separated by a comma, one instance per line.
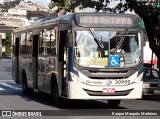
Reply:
x=35, y=90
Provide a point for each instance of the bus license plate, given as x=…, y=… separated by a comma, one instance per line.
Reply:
x=108, y=90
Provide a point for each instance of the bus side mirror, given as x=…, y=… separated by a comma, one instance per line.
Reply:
x=69, y=42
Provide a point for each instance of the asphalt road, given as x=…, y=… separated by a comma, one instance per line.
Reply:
x=12, y=99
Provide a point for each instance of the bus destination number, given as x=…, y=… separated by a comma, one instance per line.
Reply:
x=119, y=21
x=122, y=81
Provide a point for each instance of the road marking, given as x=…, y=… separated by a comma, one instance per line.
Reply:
x=10, y=86
x=1, y=89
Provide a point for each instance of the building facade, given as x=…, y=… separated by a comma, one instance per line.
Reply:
x=2, y=1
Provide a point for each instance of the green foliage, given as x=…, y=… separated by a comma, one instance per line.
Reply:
x=7, y=44
x=70, y=5
x=151, y=17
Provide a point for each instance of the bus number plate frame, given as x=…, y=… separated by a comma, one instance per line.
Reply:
x=108, y=90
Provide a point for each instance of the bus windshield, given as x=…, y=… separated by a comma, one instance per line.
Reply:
x=120, y=48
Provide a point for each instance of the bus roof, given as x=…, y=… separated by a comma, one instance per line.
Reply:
x=42, y=23
x=64, y=19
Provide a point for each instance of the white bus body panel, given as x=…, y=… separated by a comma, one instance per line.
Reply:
x=76, y=89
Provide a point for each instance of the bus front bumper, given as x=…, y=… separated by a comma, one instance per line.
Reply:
x=83, y=91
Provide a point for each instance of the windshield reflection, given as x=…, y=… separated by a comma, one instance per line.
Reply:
x=120, y=50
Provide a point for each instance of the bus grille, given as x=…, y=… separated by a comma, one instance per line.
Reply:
x=100, y=93
x=153, y=85
x=110, y=75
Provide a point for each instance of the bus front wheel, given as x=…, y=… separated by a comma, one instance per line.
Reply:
x=114, y=103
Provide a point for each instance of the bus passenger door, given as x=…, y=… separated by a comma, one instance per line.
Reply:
x=16, y=62
x=62, y=59
x=35, y=61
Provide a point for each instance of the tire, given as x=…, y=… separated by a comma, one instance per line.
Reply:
x=114, y=103
x=25, y=88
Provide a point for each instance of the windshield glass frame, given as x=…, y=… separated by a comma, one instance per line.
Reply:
x=110, y=50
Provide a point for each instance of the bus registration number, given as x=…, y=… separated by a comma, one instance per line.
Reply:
x=121, y=81
x=108, y=90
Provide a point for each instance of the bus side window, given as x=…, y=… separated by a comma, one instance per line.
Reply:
x=23, y=43
x=41, y=40
x=53, y=42
x=29, y=43
x=47, y=42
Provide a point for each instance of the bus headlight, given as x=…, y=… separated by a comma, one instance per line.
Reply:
x=139, y=78
x=75, y=78
x=145, y=85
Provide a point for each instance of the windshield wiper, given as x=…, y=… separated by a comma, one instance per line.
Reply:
x=122, y=38
x=96, y=38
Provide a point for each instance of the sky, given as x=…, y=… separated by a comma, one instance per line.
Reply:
x=113, y=2
x=39, y=1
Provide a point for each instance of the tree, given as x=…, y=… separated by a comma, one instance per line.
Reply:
x=151, y=16
x=146, y=9
x=70, y=5
x=7, y=44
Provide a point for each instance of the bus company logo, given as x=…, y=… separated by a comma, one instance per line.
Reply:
x=94, y=82
x=108, y=82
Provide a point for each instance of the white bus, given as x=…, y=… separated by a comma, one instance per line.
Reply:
x=81, y=56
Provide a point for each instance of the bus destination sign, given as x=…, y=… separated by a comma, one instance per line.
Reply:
x=106, y=20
